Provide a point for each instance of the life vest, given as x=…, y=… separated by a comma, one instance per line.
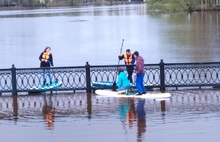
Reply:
x=127, y=59
x=45, y=56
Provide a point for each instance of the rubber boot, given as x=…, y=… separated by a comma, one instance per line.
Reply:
x=126, y=92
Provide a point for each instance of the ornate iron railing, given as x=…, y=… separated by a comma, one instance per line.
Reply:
x=160, y=75
x=192, y=74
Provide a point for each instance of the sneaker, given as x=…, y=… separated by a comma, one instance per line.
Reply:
x=143, y=92
x=138, y=94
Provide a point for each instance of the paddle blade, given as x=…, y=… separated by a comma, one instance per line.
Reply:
x=114, y=86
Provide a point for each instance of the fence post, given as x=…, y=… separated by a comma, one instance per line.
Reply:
x=13, y=80
x=162, y=76
x=88, y=78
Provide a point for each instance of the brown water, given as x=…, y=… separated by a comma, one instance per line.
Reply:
x=94, y=34
x=189, y=115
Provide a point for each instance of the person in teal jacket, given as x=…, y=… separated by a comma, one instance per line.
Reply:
x=123, y=83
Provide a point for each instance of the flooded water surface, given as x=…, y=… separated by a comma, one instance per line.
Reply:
x=94, y=34
x=191, y=115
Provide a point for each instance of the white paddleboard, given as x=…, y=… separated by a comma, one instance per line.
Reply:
x=153, y=95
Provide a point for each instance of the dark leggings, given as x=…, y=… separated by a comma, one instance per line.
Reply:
x=130, y=69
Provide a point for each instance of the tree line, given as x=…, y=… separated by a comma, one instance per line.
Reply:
x=183, y=5
x=48, y=3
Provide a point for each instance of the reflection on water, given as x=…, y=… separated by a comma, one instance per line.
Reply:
x=141, y=120
x=83, y=11
x=85, y=117
x=131, y=114
x=72, y=32
x=48, y=111
x=190, y=115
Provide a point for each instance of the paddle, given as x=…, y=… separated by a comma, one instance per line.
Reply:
x=121, y=49
x=114, y=86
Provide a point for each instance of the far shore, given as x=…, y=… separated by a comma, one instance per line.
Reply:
x=17, y=7
x=65, y=5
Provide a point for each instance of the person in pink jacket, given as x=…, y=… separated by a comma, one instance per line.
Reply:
x=139, y=73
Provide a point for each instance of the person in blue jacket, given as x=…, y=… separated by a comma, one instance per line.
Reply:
x=123, y=83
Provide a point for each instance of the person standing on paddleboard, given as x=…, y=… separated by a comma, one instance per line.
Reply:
x=46, y=61
x=129, y=61
x=123, y=83
x=139, y=73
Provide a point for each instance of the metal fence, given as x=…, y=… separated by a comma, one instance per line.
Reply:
x=161, y=76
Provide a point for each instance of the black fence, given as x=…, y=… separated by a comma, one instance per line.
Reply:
x=161, y=76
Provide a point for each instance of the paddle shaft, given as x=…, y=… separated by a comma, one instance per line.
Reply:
x=121, y=49
x=114, y=84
